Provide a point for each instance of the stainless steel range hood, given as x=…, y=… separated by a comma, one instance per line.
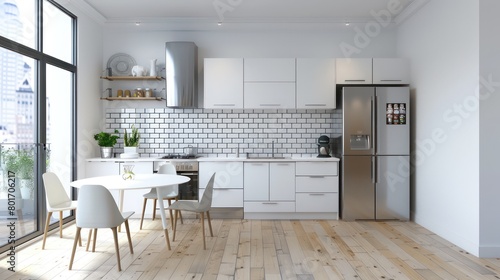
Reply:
x=181, y=74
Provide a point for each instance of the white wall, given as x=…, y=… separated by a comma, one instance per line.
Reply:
x=443, y=46
x=489, y=129
x=89, y=112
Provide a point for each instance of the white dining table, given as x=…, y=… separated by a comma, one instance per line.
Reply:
x=140, y=181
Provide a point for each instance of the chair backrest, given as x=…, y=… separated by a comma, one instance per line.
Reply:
x=206, y=199
x=173, y=190
x=54, y=190
x=97, y=208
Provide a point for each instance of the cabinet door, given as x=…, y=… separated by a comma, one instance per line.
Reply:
x=391, y=71
x=354, y=70
x=223, y=83
x=269, y=95
x=229, y=174
x=269, y=69
x=282, y=181
x=315, y=83
x=101, y=168
x=226, y=197
x=256, y=181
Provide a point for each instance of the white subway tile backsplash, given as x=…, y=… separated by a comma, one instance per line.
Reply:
x=220, y=131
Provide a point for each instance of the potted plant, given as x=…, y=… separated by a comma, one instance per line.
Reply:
x=106, y=141
x=21, y=163
x=131, y=141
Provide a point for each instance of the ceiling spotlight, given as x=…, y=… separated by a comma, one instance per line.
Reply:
x=219, y=23
x=347, y=24
x=137, y=23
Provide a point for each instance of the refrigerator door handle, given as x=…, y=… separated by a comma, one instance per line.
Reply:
x=374, y=123
x=374, y=170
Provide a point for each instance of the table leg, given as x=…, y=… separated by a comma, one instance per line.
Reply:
x=163, y=218
x=120, y=206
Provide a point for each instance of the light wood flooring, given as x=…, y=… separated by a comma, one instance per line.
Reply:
x=255, y=249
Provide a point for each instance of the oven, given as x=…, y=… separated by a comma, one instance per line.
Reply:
x=188, y=168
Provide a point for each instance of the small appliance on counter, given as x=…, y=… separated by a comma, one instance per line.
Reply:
x=323, y=146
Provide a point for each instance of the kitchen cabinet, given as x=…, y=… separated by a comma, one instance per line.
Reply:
x=354, y=70
x=223, y=83
x=228, y=184
x=391, y=71
x=316, y=83
x=153, y=79
x=269, y=187
x=385, y=71
x=269, y=69
x=317, y=187
x=269, y=95
x=132, y=198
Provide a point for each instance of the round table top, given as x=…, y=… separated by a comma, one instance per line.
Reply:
x=140, y=181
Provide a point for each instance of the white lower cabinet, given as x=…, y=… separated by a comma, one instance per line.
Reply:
x=228, y=184
x=269, y=187
x=317, y=188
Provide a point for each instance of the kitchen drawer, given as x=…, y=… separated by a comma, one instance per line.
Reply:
x=317, y=168
x=317, y=202
x=317, y=183
x=269, y=206
x=226, y=197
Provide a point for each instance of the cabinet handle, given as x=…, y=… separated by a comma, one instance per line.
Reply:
x=227, y=105
x=391, y=80
x=317, y=194
x=286, y=164
x=312, y=104
x=270, y=203
x=264, y=105
x=355, y=80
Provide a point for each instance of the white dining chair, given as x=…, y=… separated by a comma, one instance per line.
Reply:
x=97, y=209
x=203, y=207
x=57, y=201
x=168, y=192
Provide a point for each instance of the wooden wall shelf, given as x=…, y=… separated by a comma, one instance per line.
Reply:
x=132, y=98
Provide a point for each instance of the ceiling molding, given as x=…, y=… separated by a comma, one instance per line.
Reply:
x=86, y=9
x=414, y=6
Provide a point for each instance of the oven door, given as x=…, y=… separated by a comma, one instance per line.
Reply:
x=189, y=190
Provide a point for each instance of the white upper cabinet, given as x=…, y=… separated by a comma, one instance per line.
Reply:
x=269, y=95
x=316, y=83
x=223, y=78
x=391, y=71
x=269, y=69
x=354, y=70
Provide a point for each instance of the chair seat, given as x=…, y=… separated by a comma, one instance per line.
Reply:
x=68, y=205
x=153, y=195
x=188, y=205
x=128, y=214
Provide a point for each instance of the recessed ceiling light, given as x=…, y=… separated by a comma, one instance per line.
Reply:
x=347, y=24
x=137, y=23
x=219, y=23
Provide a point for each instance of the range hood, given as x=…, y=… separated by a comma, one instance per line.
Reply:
x=181, y=76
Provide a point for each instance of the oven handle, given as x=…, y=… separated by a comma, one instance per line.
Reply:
x=186, y=174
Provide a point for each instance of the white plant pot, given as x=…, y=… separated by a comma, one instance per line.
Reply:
x=130, y=150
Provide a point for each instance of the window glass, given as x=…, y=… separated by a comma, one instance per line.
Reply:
x=57, y=33
x=17, y=21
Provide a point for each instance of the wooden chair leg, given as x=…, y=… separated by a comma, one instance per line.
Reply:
x=60, y=223
x=128, y=236
x=170, y=212
x=210, y=224
x=77, y=235
x=180, y=213
x=202, y=215
x=117, y=248
x=79, y=239
x=95, y=238
x=89, y=239
x=47, y=222
x=175, y=223
x=154, y=209
x=143, y=210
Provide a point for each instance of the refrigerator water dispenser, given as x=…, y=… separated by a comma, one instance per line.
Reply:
x=360, y=142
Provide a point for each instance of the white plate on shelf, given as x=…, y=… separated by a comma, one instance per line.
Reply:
x=121, y=64
x=124, y=155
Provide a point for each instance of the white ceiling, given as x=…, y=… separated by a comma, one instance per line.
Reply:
x=264, y=14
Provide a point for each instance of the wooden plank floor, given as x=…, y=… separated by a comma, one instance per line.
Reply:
x=255, y=249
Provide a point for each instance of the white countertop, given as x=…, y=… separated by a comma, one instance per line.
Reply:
x=146, y=159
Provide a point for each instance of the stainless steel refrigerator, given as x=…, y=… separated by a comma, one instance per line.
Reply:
x=375, y=153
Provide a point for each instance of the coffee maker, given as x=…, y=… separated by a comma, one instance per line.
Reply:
x=323, y=146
